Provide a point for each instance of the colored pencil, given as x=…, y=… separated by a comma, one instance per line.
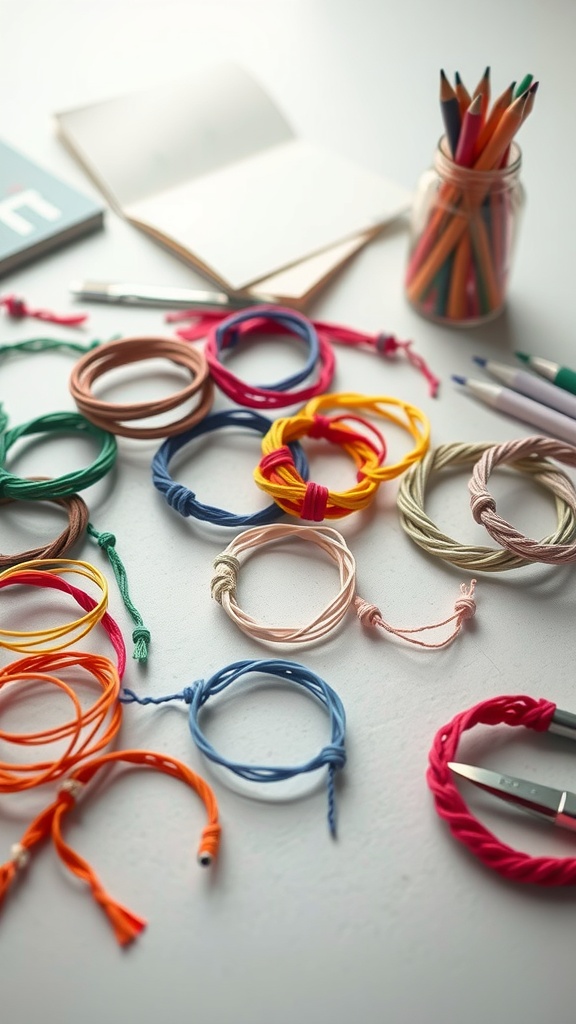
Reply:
x=498, y=108
x=450, y=112
x=464, y=97
x=483, y=90
x=469, y=133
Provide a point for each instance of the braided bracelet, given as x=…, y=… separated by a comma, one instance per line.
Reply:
x=117, y=417
x=12, y=486
x=104, y=712
x=226, y=335
x=185, y=501
x=333, y=755
x=277, y=475
x=78, y=514
x=516, y=710
x=484, y=507
x=126, y=925
x=224, y=582
x=39, y=573
x=422, y=530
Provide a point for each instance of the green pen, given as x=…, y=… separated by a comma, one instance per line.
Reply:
x=559, y=375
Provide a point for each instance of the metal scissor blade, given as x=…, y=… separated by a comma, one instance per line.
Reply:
x=543, y=801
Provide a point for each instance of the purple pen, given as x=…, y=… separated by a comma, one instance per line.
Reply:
x=533, y=387
x=547, y=420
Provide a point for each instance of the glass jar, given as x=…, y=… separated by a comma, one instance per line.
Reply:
x=463, y=233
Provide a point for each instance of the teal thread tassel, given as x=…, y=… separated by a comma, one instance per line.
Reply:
x=140, y=635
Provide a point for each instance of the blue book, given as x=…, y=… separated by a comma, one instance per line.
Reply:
x=38, y=211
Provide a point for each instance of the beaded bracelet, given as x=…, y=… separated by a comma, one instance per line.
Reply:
x=516, y=710
x=39, y=573
x=224, y=581
x=422, y=530
x=333, y=755
x=117, y=417
x=78, y=514
x=105, y=711
x=126, y=925
x=484, y=507
x=12, y=486
x=386, y=345
x=278, y=476
x=225, y=336
x=185, y=501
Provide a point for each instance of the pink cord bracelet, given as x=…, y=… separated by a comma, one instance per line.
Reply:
x=224, y=582
x=209, y=323
x=517, y=710
x=483, y=504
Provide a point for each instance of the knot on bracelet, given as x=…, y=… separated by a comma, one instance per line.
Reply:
x=15, y=307
x=106, y=540
x=19, y=855
x=465, y=606
x=315, y=502
x=72, y=788
x=179, y=498
x=320, y=427
x=225, y=578
x=387, y=345
x=481, y=503
x=369, y=614
x=279, y=457
x=141, y=635
x=333, y=755
x=189, y=691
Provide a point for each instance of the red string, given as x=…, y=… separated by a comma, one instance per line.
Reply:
x=18, y=309
x=386, y=345
x=511, y=864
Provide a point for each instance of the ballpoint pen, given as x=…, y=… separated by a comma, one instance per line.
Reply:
x=533, y=387
x=162, y=297
x=561, y=376
x=505, y=400
x=558, y=806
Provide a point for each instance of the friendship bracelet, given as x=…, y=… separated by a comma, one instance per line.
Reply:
x=104, y=712
x=226, y=335
x=517, y=710
x=116, y=417
x=126, y=925
x=384, y=344
x=12, y=486
x=483, y=504
x=277, y=475
x=185, y=501
x=333, y=755
x=224, y=582
x=39, y=573
x=427, y=535
x=78, y=514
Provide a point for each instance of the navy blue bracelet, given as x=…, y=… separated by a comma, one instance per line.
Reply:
x=227, y=337
x=185, y=501
x=333, y=755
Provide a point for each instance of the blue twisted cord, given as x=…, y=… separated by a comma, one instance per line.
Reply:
x=227, y=338
x=332, y=756
x=184, y=501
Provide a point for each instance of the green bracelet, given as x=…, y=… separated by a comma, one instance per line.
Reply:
x=12, y=486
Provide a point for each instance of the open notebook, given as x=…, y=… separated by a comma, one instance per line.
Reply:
x=210, y=168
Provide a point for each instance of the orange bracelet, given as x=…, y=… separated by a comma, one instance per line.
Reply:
x=127, y=926
x=277, y=475
x=87, y=733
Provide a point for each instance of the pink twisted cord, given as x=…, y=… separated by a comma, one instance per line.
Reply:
x=511, y=864
x=464, y=608
x=17, y=308
x=225, y=581
x=483, y=504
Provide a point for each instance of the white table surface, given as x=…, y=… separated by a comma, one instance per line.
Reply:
x=393, y=921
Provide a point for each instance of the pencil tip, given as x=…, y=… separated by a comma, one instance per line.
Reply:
x=458, y=380
x=479, y=360
x=522, y=356
x=487, y=72
x=443, y=75
x=534, y=88
x=457, y=78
